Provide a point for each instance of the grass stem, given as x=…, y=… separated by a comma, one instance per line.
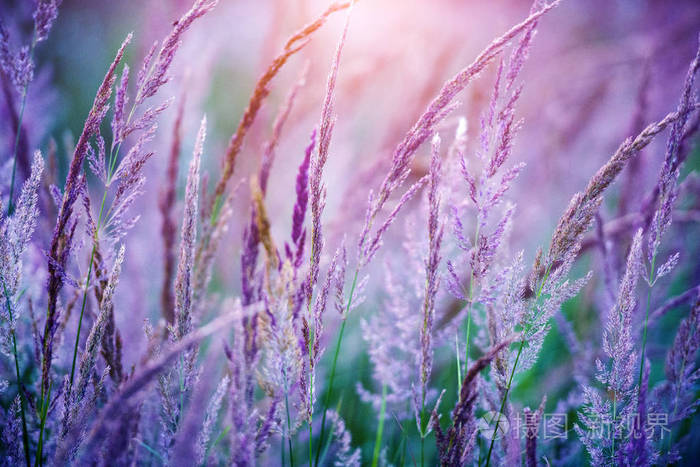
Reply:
x=85, y=291
x=327, y=399
x=512, y=372
x=380, y=429
x=646, y=320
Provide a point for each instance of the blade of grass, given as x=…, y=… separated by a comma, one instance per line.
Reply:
x=151, y=450
x=380, y=429
x=219, y=438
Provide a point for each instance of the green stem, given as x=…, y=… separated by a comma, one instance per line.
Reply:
x=20, y=118
x=44, y=409
x=327, y=399
x=644, y=343
x=25, y=436
x=333, y=367
x=380, y=430
x=217, y=440
x=152, y=451
x=422, y=448
x=85, y=292
x=503, y=403
x=646, y=320
x=512, y=372
x=478, y=440
x=466, y=351
x=282, y=450
x=459, y=366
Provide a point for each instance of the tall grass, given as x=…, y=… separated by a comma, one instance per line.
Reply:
x=428, y=242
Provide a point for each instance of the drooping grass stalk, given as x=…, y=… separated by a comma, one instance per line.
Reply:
x=380, y=430
x=18, y=133
x=25, y=436
x=335, y=362
x=512, y=373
